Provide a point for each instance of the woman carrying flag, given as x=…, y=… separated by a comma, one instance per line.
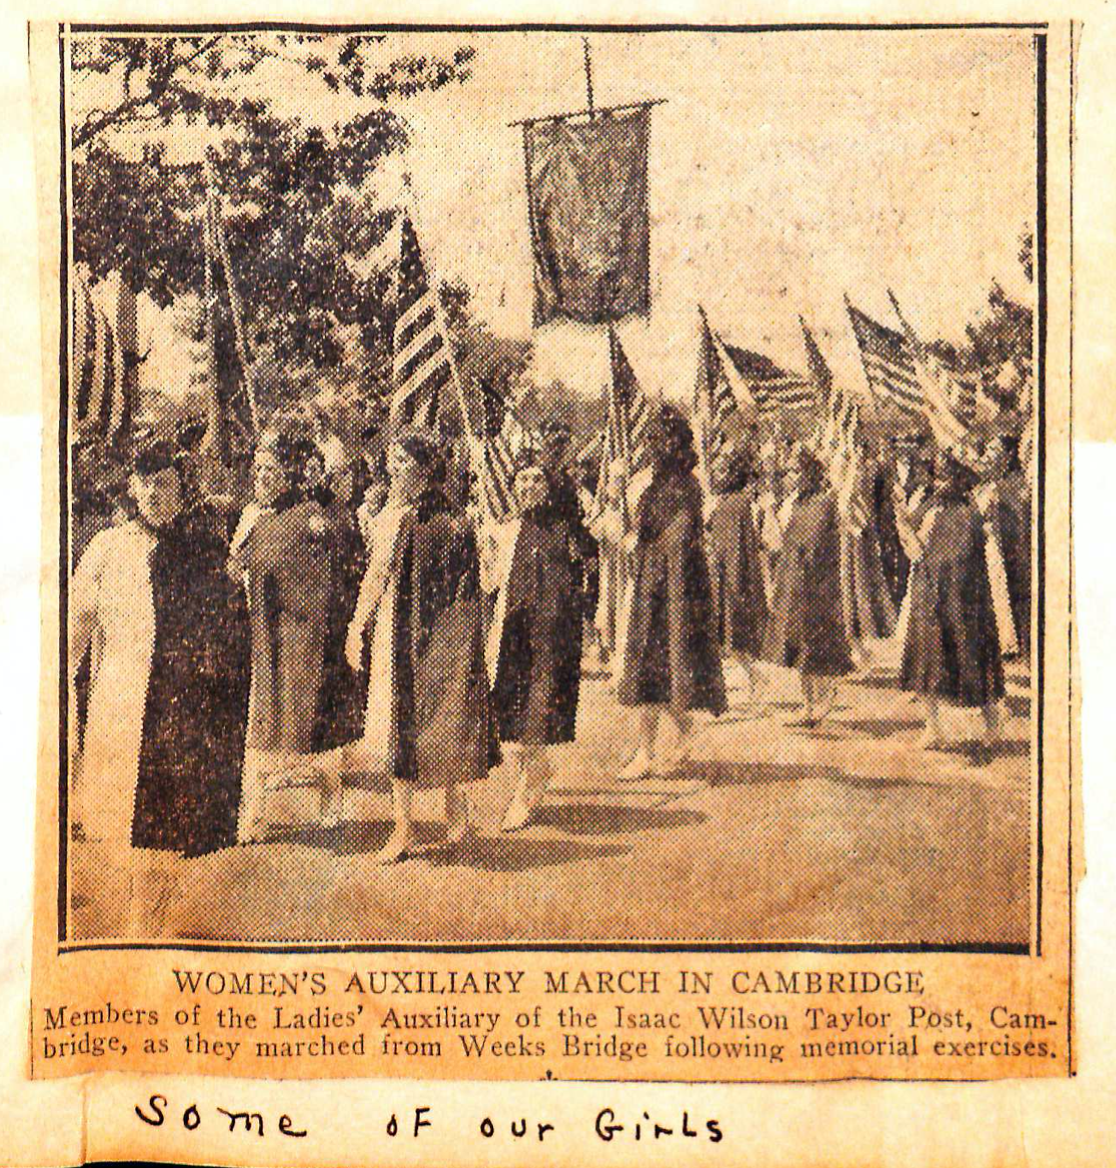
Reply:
x=735, y=561
x=951, y=652
x=670, y=658
x=807, y=629
x=534, y=645
x=426, y=721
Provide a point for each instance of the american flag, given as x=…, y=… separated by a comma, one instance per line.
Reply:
x=421, y=359
x=948, y=407
x=498, y=479
x=820, y=373
x=714, y=400
x=630, y=412
x=889, y=363
x=848, y=471
x=625, y=434
x=507, y=442
x=772, y=388
x=103, y=366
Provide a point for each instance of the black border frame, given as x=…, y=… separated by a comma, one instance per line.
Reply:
x=1040, y=29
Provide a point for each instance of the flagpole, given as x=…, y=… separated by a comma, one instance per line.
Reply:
x=704, y=403
x=620, y=429
x=439, y=310
x=588, y=76
x=213, y=441
x=235, y=302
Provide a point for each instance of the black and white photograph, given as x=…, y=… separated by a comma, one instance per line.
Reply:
x=552, y=486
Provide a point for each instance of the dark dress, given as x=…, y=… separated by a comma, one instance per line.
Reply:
x=1012, y=515
x=538, y=674
x=807, y=630
x=736, y=567
x=340, y=715
x=952, y=650
x=441, y=726
x=893, y=559
x=288, y=557
x=192, y=748
x=670, y=653
x=563, y=506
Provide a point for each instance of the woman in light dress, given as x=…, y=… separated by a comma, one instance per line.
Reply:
x=283, y=553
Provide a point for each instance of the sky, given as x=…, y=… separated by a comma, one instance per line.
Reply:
x=786, y=169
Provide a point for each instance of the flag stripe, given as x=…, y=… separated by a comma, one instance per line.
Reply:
x=409, y=365
x=420, y=360
x=889, y=364
x=413, y=325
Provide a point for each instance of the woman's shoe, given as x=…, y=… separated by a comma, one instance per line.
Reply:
x=398, y=844
x=332, y=802
x=932, y=739
x=638, y=767
x=518, y=814
x=668, y=764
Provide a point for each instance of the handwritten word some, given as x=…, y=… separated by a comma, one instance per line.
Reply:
x=154, y=1114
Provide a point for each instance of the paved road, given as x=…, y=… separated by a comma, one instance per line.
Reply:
x=849, y=832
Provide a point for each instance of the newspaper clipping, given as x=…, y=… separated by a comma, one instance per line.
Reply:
x=556, y=557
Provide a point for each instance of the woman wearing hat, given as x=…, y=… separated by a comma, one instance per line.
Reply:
x=806, y=631
x=671, y=663
x=166, y=634
x=426, y=718
x=951, y=652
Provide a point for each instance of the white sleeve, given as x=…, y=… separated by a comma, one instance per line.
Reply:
x=85, y=588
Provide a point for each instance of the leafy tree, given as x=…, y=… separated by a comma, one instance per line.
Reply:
x=300, y=212
x=164, y=80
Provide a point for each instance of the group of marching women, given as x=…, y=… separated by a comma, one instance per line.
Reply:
x=360, y=624
x=808, y=570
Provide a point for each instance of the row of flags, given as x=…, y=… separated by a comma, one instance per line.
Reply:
x=731, y=381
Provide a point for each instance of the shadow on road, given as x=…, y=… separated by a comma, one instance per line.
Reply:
x=727, y=774
x=873, y=680
x=519, y=854
x=881, y=727
x=594, y=819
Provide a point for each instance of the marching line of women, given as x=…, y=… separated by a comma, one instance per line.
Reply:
x=360, y=625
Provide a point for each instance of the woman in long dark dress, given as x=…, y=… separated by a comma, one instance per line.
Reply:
x=427, y=721
x=286, y=562
x=736, y=562
x=166, y=634
x=534, y=645
x=340, y=715
x=671, y=662
x=952, y=651
x=806, y=631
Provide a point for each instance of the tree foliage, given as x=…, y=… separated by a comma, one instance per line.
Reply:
x=301, y=214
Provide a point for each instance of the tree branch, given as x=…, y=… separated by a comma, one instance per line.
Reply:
x=155, y=89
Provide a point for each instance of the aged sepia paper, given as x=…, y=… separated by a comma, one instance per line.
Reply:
x=848, y=852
